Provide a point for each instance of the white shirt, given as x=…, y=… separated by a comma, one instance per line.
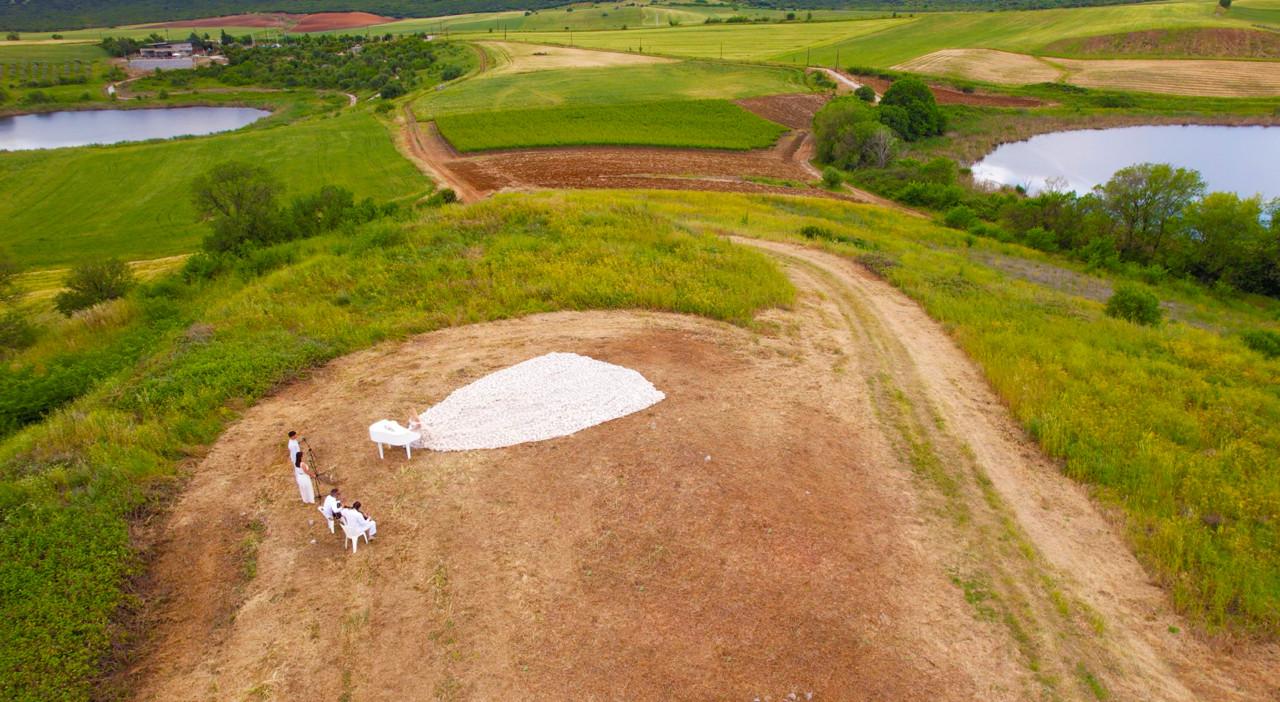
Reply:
x=294, y=450
x=353, y=518
x=330, y=506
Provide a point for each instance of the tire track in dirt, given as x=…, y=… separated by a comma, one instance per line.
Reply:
x=1081, y=598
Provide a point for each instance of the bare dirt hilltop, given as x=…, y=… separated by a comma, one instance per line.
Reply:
x=834, y=506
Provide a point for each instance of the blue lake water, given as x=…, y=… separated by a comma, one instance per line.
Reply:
x=1244, y=160
x=53, y=130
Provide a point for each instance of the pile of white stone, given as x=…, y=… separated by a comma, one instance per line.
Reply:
x=545, y=397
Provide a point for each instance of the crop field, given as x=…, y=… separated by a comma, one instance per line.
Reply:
x=686, y=80
x=604, y=16
x=131, y=201
x=1213, y=78
x=711, y=124
x=1200, y=42
x=751, y=42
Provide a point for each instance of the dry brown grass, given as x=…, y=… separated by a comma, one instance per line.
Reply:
x=985, y=65
x=1178, y=77
x=1174, y=76
x=527, y=58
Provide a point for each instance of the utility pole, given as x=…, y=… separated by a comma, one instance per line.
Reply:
x=837, y=66
x=721, y=51
x=806, y=58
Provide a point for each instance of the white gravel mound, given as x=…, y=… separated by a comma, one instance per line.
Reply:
x=542, y=398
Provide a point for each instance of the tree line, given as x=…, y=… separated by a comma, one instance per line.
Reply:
x=392, y=66
x=1156, y=218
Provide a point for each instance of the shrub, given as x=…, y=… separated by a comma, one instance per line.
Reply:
x=917, y=114
x=1040, y=238
x=959, y=217
x=16, y=331
x=831, y=178
x=865, y=93
x=1136, y=304
x=391, y=90
x=94, y=282
x=1264, y=341
x=451, y=72
x=441, y=197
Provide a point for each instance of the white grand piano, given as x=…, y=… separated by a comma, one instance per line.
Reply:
x=392, y=433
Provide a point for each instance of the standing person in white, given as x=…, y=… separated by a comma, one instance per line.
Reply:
x=353, y=517
x=295, y=449
x=302, y=474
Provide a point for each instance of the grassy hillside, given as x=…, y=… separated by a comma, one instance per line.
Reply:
x=688, y=80
x=891, y=41
x=1187, y=471
x=708, y=124
x=132, y=201
x=69, y=485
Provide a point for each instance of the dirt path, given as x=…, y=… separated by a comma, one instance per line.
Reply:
x=1093, y=605
x=836, y=507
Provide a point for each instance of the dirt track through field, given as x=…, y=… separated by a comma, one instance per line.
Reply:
x=805, y=513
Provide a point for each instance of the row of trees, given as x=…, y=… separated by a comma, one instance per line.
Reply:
x=390, y=66
x=1156, y=217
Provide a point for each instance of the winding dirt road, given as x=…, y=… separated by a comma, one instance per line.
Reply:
x=835, y=509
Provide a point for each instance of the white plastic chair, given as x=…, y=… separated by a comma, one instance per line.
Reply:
x=329, y=519
x=353, y=535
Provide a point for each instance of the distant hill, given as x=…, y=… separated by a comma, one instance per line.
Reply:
x=50, y=15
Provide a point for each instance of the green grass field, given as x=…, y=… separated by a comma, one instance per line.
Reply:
x=710, y=124
x=585, y=18
x=885, y=42
x=132, y=202
x=686, y=80
x=750, y=42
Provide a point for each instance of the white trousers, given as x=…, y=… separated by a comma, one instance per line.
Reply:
x=304, y=487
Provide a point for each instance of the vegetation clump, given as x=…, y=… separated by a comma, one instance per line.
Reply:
x=909, y=108
x=94, y=282
x=1135, y=304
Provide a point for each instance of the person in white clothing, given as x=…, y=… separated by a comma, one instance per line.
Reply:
x=295, y=449
x=302, y=474
x=353, y=517
x=332, y=504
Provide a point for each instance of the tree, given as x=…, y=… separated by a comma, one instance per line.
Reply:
x=865, y=93
x=1224, y=4
x=919, y=116
x=1225, y=239
x=879, y=145
x=835, y=131
x=240, y=200
x=1146, y=202
x=92, y=283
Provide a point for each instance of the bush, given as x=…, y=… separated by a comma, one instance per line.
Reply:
x=915, y=114
x=451, y=72
x=831, y=178
x=959, y=217
x=441, y=197
x=391, y=90
x=1136, y=304
x=1264, y=341
x=92, y=283
x=865, y=93
x=16, y=331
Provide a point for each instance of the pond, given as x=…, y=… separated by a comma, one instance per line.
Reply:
x=1235, y=159
x=52, y=130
